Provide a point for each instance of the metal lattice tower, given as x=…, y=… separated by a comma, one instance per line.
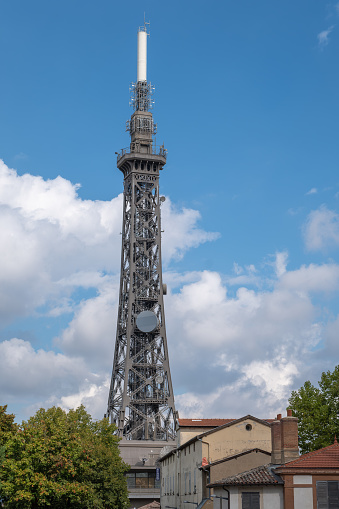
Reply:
x=141, y=401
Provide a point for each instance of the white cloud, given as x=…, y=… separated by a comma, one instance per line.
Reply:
x=181, y=231
x=321, y=230
x=25, y=371
x=314, y=190
x=251, y=341
x=57, y=242
x=280, y=263
x=253, y=347
x=58, y=246
x=323, y=37
x=91, y=333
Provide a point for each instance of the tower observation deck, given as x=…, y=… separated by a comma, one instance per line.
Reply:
x=141, y=401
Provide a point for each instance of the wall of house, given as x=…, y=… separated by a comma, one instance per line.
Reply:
x=271, y=497
x=300, y=490
x=185, y=434
x=238, y=437
x=237, y=465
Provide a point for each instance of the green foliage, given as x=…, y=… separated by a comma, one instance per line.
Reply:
x=61, y=460
x=317, y=410
x=7, y=424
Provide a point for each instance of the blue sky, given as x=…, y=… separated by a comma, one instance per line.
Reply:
x=246, y=101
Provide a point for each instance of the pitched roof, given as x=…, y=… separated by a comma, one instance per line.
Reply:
x=327, y=457
x=262, y=475
x=152, y=505
x=200, y=423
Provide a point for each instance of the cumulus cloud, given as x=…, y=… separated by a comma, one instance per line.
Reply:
x=57, y=247
x=323, y=37
x=56, y=242
x=314, y=190
x=181, y=231
x=253, y=347
x=234, y=340
x=321, y=230
x=91, y=332
x=25, y=371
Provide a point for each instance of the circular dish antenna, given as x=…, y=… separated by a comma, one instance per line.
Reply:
x=146, y=321
x=159, y=379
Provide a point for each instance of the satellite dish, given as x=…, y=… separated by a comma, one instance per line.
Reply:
x=159, y=379
x=162, y=198
x=146, y=321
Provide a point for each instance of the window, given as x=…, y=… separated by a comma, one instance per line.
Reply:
x=142, y=480
x=195, y=483
x=250, y=500
x=327, y=494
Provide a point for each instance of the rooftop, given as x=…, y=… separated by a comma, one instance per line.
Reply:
x=203, y=422
x=152, y=505
x=327, y=457
x=263, y=475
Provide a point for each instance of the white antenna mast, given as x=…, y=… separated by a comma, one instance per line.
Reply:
x=142, y=52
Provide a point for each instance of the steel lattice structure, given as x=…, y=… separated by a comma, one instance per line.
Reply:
x=141, y=401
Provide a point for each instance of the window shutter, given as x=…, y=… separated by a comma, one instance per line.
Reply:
x=246, y=501
x=251, y=500
x=322, y=495
x=333, y=495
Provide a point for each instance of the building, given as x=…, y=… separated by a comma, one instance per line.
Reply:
x=260, y=487
x=312, y=480
x=186, y=469
x=308, y=482
x=141, y=400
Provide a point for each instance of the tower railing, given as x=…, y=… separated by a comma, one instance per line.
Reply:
x=159, y=150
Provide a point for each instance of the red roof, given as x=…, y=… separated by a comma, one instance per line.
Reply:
x=152, y=505
x=327, y=457
x=200, y=423
x=212, y=423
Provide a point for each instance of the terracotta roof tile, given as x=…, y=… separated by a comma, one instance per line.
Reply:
x=152, y=505
x=262, y=475
x=327, y=457
x=200, y=423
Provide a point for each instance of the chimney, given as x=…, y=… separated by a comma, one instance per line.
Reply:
x=276, y=441
x=289, y=437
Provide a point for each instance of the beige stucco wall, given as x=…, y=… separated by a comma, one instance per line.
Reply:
x=185, y=434
x=236, y=438
x=237, y=465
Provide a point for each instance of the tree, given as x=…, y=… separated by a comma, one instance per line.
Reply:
x=58, y=459
x=7, y=426
x=317, y=410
